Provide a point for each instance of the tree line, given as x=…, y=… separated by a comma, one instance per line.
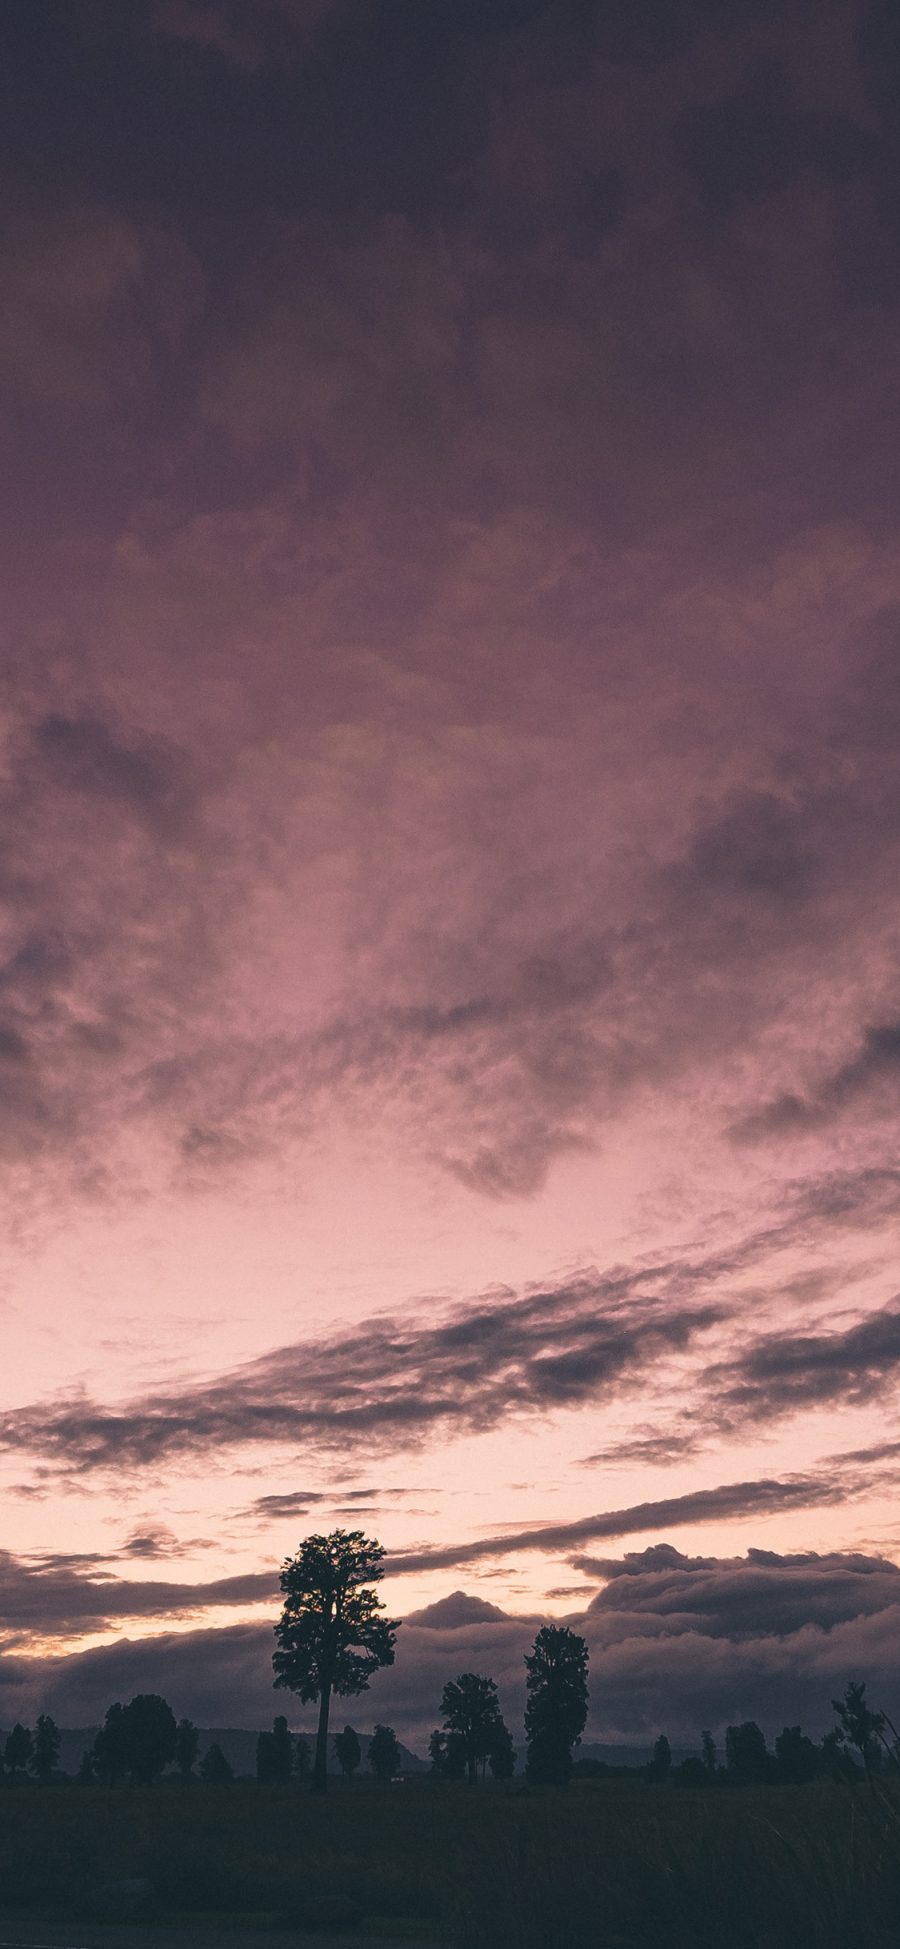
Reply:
x=140, y=1740
x=331, y=1638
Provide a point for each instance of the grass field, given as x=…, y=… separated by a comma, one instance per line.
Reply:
x=605, y=1863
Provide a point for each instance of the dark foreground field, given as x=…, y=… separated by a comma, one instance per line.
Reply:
x=604, y=1863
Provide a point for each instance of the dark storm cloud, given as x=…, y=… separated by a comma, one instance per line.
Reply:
x=395, y=1380
x=762, y=1594
x=783, y=1372
x=63, y=1596
x=84, y=755
x=654, y=1450
x=876, y=1061
x=727, y=1500
x=674, y=1641
x=294, y=1502
x=753, y=844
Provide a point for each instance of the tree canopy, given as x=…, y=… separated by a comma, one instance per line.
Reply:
x=384, y=1756
x=858, y=1724
x=331, y=1635
x=471, y=1709
x=556, y=1707
x=347, y=1751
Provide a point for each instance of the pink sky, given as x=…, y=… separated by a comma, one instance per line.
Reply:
x=450, y=730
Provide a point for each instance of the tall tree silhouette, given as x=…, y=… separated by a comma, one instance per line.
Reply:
x=471, y=1710
x=331, y=1636
x=556, y=1708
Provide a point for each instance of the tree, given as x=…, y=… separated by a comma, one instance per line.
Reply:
x=17, y=1752
x=470, y=1708
x=661, y=1763
x=215, y=1769
x=501, y=1753
x=383, y=1756
x=709, y=1753
x=302, y=1757
x=150, y=1737
x=330, y=1635
x=110, y=1752
x=835, y=1759
x=348, y=1751
x=745, y=1752
x=187, y=1740
x=860, y=1726
x=797, y=1757
x=448, y=1755
x=45, y=1751
x=87, y=1767
x=275, y=1755
x=556, y=1708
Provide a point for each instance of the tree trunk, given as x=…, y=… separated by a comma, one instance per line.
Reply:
x=320, y=1766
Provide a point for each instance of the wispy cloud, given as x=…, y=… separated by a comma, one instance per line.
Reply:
x=394, y=1380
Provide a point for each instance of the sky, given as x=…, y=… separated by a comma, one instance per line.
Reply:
x=450, y=772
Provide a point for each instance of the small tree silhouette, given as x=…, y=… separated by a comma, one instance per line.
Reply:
x=275, y=1754
x=860, y=1726
x=215, y=1769
x=501, y=1752
x=45, y=1752
x=330, y=1635
x=745, y=1753
x=798, y=1759
x=187, y=1740
x=471, y=1710
x=149, y=1734
x=447, y=1752
x=661, y=1763
x=708, y=1746
x=111, y=1747
x=384, y=1757
x=17, y=1752
x=347, y=1751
